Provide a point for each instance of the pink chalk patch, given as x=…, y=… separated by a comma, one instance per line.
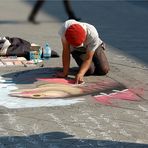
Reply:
x=119, y=95
x=57, y=80
x=103, y=100
x=17, y=63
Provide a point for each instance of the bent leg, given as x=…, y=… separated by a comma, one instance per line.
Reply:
x=100, y=61
x=69, y=11
x=79, y=58
x=35, y=10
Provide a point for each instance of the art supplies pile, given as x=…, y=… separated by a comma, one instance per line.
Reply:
x=17, y=61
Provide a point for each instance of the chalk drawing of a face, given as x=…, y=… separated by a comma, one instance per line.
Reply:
x=48, y=91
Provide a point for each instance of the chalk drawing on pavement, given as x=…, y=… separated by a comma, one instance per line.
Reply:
x=125, y=94
x=40, y=88
x=59, y=88
x=48, y=91
x=6, y=86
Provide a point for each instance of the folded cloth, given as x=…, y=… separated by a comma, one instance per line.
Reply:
x=4, y=44
x=18, y=47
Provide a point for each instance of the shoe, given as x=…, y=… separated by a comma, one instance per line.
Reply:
x=32, y=20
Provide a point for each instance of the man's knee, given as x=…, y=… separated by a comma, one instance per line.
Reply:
x=105, y=70
x=102, y=71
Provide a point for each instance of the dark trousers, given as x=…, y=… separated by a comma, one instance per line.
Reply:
x=99, y=64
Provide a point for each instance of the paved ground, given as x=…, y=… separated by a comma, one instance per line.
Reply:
x=81, y=121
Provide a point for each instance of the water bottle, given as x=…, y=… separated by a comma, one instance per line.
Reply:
x=47, y=52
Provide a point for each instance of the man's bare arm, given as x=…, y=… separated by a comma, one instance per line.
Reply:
x=84, y=67
x=66, y=57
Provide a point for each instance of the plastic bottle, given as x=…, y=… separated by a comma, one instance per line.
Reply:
x=47, y=52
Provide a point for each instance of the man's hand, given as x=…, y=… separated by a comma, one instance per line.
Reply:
x=61, y=75
x=79, y=79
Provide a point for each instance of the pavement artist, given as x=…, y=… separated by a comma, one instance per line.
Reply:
x=83, y=42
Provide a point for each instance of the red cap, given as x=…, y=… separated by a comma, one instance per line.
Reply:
x=75, y=35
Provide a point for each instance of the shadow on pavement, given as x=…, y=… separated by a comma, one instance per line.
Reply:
x=30, y=76
x=61, y=140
